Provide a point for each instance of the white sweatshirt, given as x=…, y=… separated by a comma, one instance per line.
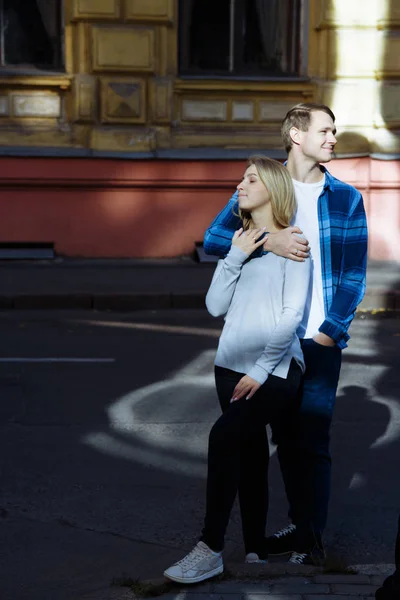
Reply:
x=263, y=300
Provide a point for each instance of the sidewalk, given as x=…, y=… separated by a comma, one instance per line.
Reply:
x=276, y=581
x=132, y=284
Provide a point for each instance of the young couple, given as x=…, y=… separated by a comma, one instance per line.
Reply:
x=287, y=313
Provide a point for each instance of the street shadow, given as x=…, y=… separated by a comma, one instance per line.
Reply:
x=368, y=463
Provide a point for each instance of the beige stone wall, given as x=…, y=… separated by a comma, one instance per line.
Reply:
x=121, y=91
x=356, y=60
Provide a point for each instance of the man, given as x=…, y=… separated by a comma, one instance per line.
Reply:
x=332, y=216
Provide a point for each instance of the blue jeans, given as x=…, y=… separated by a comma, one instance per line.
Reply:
x=303, y=444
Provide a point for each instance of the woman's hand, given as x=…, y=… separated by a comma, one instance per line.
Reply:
x=246, y=387
x=247, y=240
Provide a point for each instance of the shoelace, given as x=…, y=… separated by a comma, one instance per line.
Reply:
x=297, y=558
x=194, y=556
x=285, y=531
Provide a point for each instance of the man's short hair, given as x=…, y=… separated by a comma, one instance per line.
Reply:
x=300, y=117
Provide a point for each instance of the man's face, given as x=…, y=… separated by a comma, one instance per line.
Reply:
x=318, y=143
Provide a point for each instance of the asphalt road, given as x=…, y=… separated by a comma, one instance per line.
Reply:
x=104, y=421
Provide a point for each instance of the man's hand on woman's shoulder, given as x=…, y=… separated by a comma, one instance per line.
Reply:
x=285, y=243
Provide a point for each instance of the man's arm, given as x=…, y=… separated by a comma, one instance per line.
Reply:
x=351, y=288
x=218, y=237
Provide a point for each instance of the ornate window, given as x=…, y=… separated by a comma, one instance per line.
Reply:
x=31, y=35
x=228, y=38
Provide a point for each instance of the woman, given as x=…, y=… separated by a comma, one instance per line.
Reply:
x=258, y=366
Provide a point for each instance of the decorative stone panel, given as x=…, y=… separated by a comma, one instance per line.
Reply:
x=204, y=110
x=96, y=9
x=274, y=111
x=389, y=102
x=352, y=53
x=353, y=102
x=242, y=111
x=161, y=100
x=334, y=13
x=123, y=100
x=123, y=48
x=4, y=106
x=137, y=139
x=36, y=105
x=85, y=97
x=160, y=11
x=389, y=65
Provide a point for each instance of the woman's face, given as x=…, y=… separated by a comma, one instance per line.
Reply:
x=252, y=192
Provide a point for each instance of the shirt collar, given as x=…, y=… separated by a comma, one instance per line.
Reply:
x=329, y=179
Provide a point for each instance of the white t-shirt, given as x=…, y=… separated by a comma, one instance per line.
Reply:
x=307, y=195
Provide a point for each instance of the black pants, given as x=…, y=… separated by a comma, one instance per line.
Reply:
x=238, y=456
x=391, y=586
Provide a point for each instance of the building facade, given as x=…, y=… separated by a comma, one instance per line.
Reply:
x=124, y=124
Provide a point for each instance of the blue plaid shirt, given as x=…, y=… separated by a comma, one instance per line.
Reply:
x=343, y=238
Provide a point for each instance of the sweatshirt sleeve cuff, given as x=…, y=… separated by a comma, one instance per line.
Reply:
x=236, y=256
x=258, y=374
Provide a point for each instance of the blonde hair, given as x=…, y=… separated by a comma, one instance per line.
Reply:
x=278, y=182
x=300, y=117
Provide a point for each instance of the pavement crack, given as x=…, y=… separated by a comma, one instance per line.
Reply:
x=64, y=522
x=67, y=523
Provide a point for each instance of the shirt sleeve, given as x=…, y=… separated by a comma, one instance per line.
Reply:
x=218, y=237
x=223, y=284
x=351, y=288
x=295, y=289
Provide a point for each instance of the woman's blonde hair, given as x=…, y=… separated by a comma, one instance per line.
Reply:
x=279, y=184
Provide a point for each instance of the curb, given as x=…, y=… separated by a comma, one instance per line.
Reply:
x=375, y=302
x=243, y=581
x=115, y=301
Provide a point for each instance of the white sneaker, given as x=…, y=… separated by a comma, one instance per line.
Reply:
x=253, y=559
x=200, y=564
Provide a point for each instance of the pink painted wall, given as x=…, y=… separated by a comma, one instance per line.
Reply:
x=121, y=208
x=379, y=182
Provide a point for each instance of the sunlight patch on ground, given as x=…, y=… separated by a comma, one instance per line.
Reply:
x=180, y=329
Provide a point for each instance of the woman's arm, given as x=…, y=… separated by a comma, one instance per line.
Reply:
x=223, y=283
x=295, y=290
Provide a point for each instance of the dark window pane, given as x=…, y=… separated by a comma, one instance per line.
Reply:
x=267, y=40
x=32, y=33
x=204, y=35
x=240, y=37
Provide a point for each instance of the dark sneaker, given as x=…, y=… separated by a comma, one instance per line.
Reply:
x=316, y=557
x=282, y=542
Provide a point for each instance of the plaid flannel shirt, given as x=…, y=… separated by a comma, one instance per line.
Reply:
x=343, y=239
